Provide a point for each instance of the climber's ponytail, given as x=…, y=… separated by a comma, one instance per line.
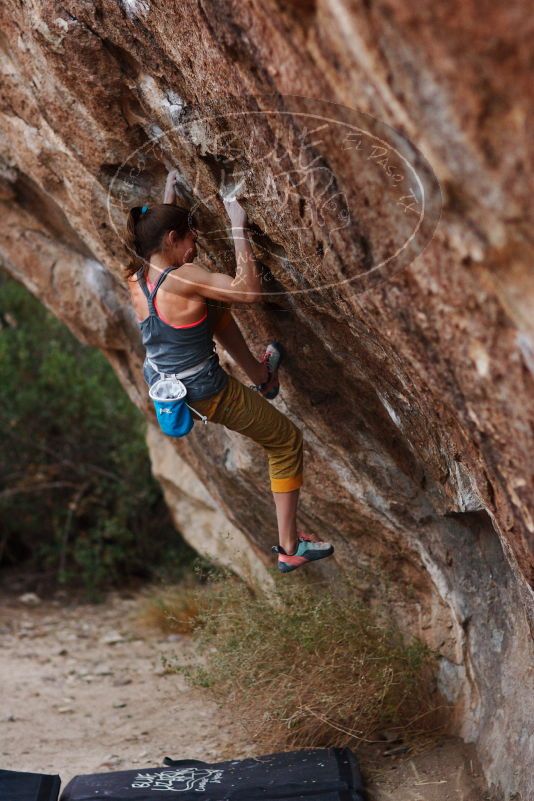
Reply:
x=130, y=240
x=145, y=228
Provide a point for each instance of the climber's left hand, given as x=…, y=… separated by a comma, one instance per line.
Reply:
x=170, y=184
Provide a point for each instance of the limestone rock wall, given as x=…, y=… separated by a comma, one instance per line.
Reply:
x=415, y=395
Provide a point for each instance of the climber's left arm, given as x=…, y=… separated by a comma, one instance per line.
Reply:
x=169, y=196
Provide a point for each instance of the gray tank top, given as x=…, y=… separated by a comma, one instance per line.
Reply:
x=174, y=349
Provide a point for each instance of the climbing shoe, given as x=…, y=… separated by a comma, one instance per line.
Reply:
x=272, y=357
x=309, y=549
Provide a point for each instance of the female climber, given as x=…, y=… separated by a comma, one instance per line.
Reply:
x=177, y=331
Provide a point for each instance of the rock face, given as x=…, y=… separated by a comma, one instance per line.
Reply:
x=412, y=382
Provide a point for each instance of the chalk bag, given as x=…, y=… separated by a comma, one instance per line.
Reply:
x=173, y=413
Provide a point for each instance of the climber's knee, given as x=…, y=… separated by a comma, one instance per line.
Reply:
x=286, y=465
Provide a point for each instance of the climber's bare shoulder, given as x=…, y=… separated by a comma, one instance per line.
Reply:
x=193, y=280
x=137, y=297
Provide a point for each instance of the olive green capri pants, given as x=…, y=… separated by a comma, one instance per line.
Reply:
x=242, y=409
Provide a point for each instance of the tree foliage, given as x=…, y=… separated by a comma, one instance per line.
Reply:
x=77, y=497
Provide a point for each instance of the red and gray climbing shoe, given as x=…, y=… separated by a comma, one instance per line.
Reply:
x=274, y=353
x=309, y=549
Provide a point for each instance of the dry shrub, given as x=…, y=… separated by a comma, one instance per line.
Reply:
x=310, y=667
x=173, y=610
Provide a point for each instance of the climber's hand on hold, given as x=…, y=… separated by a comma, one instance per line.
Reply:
x=172, y=177
x=170, y=184
x=236, y=212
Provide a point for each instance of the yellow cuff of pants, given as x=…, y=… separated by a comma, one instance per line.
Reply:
x=286, y=484
x=223, y=321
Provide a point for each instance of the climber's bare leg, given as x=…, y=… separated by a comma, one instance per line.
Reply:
x=233, y=342
x=286, y=514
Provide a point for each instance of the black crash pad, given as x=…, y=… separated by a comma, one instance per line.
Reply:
x=319, y=774
x=15, y=786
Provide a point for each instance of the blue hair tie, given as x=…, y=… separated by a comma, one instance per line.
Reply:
x=144, y=210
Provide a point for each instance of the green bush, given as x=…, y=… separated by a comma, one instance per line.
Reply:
x=78, y=501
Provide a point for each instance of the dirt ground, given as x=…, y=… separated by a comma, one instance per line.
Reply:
x=84, y=690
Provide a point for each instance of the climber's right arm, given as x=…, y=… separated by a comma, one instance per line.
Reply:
x=193, y=280
x=247, y=275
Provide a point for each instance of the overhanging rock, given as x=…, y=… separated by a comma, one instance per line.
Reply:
x=413, y=385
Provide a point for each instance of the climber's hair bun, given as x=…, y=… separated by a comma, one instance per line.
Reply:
x=147, y=225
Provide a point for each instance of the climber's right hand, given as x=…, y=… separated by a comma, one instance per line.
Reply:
x=236, y=212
